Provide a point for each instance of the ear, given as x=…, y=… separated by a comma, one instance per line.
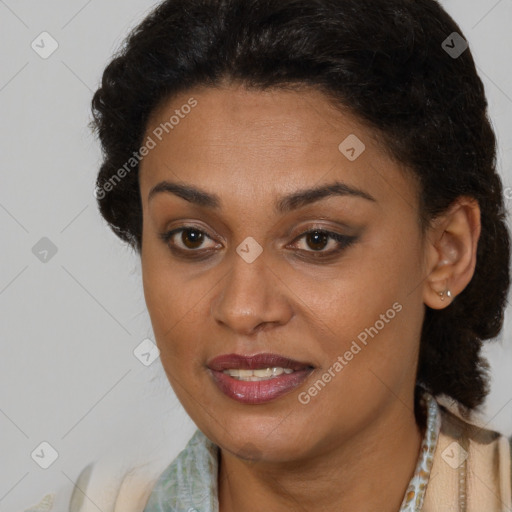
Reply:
x=451, y=245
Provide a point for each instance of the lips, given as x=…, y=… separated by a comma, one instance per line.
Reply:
x=260, y=391
x=255, y=362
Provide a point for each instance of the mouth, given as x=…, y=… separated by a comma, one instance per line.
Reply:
x=260, y=366
x=258, y=378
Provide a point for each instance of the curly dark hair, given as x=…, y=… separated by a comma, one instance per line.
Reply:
x=387, y=62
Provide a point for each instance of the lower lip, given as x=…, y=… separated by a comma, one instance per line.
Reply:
x=259, y=392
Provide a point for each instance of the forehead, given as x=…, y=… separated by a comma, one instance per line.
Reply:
x=231, y=114
x=277, y=140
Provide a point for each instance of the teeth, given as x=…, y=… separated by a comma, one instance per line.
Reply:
x=256, y=375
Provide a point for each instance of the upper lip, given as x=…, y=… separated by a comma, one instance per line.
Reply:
x=254, y=362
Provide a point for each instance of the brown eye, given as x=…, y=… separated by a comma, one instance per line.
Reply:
x=192, y=238
x=187, y=240
x=317, y=240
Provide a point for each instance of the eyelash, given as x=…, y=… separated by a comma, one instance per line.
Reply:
x=343, y=241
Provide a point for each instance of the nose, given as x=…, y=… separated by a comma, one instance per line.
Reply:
x=251, y=298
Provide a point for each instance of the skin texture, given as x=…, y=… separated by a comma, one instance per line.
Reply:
x=354, y=446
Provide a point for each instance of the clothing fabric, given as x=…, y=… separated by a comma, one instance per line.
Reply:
x=415, y=494
x=190, y=483
x=462, y=467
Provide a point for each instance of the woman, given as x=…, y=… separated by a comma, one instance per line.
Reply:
x=311, y=186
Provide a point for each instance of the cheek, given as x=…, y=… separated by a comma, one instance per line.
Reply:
x=371, y=301
x=178, y=307
x=166, y=301
x=389, y=266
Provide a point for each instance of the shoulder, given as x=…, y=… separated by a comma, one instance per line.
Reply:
x=110, y=485
x=486, y=452
x=459, y=423
x=190, y=481
x=509, y=442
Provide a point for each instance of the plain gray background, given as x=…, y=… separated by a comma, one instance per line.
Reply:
x=69, y=326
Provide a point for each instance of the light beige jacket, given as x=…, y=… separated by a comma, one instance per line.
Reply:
x=472, y=468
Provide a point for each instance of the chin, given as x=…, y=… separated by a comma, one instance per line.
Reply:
x=261, y=442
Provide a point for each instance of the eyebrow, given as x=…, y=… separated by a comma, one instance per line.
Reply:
x=286, y=204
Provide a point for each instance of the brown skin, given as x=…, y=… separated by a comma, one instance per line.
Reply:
x=354, y=446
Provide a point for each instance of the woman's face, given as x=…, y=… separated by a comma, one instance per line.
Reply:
x=244, y=277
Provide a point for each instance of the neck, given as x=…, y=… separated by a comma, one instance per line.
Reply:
x=369, y=471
